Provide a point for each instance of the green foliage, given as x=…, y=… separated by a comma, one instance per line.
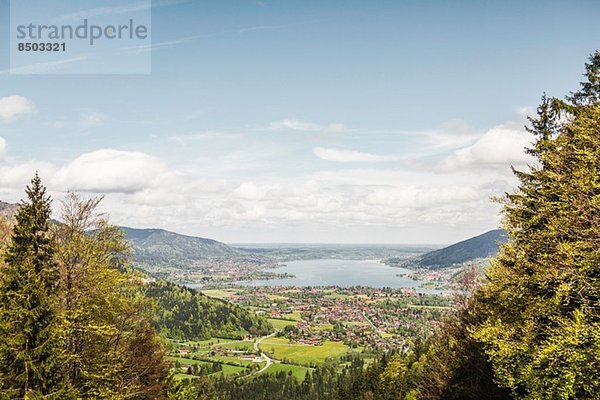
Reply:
x=200, y=388
x=532, y=330
x=184, y=313
x=541, y=305
x=31, y=361
x=110, y=345
x=72, y=318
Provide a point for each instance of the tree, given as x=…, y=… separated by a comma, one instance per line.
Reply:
x=532, y=330
x=31, y=358
x=198, y=388
x=112, y=350
x=541, y=306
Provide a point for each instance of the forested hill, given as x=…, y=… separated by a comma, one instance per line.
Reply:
x=185, y=313
x=159, y=246
x=483, y=246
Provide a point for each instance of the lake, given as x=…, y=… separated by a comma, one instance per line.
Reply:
x=343, y=273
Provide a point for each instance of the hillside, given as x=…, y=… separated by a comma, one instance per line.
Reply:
x=482, y=246
x=184, y=313
x=160, y=246
x=7, y=209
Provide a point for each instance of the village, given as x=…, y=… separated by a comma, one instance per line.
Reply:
x=360, y=317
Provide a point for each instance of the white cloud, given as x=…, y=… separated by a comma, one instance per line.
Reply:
x=55, y=124
x=143, y=192
x=349, y=156
x=2, y=147
x=296, y=125
x=499, y=147
x=19, y=175
x=110, y=171
x=93, y=118
x=12, y=107
x=366, y=202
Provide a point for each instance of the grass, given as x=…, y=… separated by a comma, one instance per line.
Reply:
x=243, y=345
x=234, y=360
x=186, y=361
x=220, y=293
x=280, y=323
x=297, y=371
x=337, y=296
x=326, y=326
x=429, y=307
x=276, y=297
x=180, y=377
x=203, y=343
x=281, y=349
x=295, y=316
x=230, y=370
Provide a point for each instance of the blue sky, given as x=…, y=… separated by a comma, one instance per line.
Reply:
x=303, y=121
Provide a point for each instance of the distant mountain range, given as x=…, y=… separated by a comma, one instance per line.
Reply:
x=479, y=247
x=483, y=246
x=7, y=209
x=159, y=245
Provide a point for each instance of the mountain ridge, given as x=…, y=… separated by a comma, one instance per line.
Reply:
x=160, y=245
x=482, y=246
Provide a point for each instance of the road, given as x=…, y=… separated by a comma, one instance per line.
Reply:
x=370, y=323
x=265, y=357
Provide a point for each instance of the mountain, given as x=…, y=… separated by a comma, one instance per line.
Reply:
x=7, y=209
x=483, y=246
x=159, y=245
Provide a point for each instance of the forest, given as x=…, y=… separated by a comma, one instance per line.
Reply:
x=77, y=322
x=184, y=313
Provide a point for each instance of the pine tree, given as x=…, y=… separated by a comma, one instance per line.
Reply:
x=30, y=352
x=541, y=329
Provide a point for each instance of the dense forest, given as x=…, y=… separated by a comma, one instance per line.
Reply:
x=184, y=313
x=77, y=322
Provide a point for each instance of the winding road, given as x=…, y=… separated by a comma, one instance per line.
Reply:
x=270, y=361
x=265, y=357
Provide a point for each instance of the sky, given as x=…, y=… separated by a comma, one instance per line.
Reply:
x=302, y=121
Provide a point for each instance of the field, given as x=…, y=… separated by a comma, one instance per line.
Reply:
x=186, y=361
x=280, y=323
x=202, y=343
x=281, y=349
x=243, y=345
x=233, y=360
x=298, y=371
x=230, y=370
x=226, y=362
x=219, y=293
x=179, y=377
x=295, y=316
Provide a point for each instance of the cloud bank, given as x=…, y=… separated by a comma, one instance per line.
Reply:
x=13, y=107
x=349, y=156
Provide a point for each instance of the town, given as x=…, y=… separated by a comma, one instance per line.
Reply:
x=360, y=317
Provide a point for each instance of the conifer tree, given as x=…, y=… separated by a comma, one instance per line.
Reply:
x=30, y=353
x=541, y=327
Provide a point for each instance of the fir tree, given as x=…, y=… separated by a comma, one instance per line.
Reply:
x=30, y=356
x=541, y=329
